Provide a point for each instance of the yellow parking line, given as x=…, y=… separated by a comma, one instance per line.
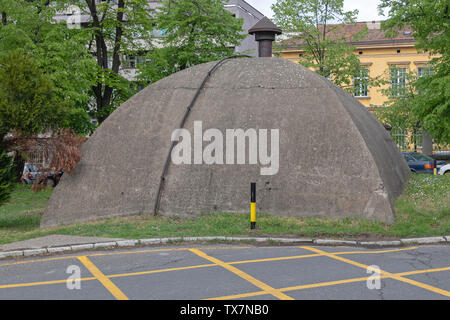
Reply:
x=325, y=284
x=388, y=274
x=181, y=268
x=239, y=296
x=117, y=253
x=276, y=259
x=411, y=273
x=36, y=260
x=30, y=284
x=379, y=251
x=105, y=281
x=160, y=271
x=318, y=255
x=268, y=289
x=159, y=250
x=295, y=288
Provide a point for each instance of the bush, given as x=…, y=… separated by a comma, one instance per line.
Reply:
x=6, y=177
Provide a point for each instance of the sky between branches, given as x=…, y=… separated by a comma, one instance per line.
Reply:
x=368, y=9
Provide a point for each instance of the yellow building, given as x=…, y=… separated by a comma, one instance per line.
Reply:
x=379, y=55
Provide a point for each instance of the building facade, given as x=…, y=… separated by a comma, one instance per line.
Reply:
x=379, y=56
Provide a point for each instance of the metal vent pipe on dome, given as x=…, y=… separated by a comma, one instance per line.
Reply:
x=265, y=32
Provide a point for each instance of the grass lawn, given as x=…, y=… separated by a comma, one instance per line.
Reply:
x=422, y=210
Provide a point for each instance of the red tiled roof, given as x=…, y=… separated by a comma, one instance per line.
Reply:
x=348, y=31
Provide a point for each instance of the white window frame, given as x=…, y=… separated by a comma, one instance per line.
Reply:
x=361, y=83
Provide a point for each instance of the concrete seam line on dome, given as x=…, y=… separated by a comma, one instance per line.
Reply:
x=183, y=121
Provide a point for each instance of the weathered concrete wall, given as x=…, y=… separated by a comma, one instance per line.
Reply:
x=336, y=160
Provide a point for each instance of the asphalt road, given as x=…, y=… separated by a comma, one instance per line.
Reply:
x=228, y=272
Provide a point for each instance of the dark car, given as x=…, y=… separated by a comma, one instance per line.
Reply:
x=421, y=163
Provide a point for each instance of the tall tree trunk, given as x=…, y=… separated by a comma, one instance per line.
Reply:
x=103, y=92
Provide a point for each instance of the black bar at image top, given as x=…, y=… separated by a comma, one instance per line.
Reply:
x=253, y=192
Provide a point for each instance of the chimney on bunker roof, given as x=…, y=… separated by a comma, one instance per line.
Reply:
x=265, y=32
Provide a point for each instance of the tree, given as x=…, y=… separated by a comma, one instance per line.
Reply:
x=318, y=24
x=430, y=24
x=6, y=177
x=46, y=74
x=115, y=28
x=29, y=107
x=397, y=110
x=28, y=104
x=195, y=31
x=60, y=53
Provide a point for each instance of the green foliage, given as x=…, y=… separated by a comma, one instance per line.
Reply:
x=432, y=105
x=195, y=31
x=79, y=121
x=114, y=28
x=398, y=109
x=6, y=177
x=83, y=62
x=430, y=24
x=28, y=105
x=162, y=62
x=59, y=52
x=318, y=25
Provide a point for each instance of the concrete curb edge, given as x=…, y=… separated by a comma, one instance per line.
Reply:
x=154, y=241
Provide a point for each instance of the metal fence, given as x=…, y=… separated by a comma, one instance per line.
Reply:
x=408, y=141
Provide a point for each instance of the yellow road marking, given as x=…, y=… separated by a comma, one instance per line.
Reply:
x=325, y=284
x=186, y=268
x=36, y=260
x=388, y=274
x=117, y=253
x=108, y=284
x=30, y=284
x=411, y=273
x=160, y=271
x=237, y=296
x=317, y=255
x=185, y=249
x=295, y=288
x=266, y=288
x=160, y=250
x=380, y=251
x=276, y=259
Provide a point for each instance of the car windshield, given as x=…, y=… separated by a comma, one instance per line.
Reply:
x=32, y=168
x=408, y=157
x=421, y=157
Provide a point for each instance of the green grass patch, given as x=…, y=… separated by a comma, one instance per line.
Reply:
x=422, y=210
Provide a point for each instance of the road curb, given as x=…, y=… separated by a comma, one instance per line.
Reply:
x=156, y=241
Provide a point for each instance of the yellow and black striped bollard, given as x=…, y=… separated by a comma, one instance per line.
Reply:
x=253, y=205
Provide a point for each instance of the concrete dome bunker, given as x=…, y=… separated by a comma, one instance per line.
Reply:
x=335, y=158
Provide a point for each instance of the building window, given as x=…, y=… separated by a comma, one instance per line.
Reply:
x=159, y=33
x=361, y=83
x=134, y=61
x=424, y=71
x=398, y=82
